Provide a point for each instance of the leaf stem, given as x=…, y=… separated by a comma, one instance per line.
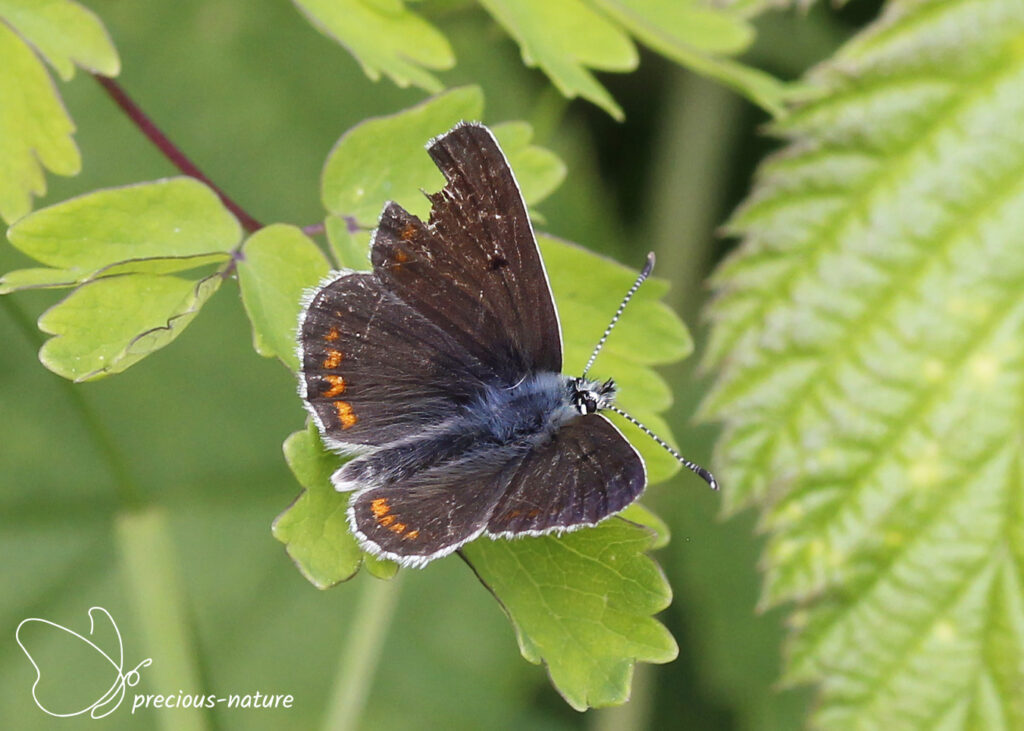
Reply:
x=127, y=491
x=171, y=151
x=149, y=563
x=366, y=635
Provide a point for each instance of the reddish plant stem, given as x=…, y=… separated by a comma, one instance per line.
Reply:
x=171, y=151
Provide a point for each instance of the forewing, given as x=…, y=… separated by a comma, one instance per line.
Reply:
x=433, y=512
x=374, y=370
x=474, y=269
x=586, y=472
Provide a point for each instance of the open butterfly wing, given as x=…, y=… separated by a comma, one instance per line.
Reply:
x=474, y=270
x=433, y=512
x=586, y=472
x=374, y=369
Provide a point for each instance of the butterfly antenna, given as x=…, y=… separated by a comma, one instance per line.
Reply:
x=703, y=473
x=648, y=267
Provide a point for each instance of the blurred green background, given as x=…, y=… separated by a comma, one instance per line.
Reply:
x=257, y=98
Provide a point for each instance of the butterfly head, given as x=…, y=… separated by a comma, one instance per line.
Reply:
x=589, y=396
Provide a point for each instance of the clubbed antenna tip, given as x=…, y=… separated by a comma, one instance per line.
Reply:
x=692, y=466
x=648, y=267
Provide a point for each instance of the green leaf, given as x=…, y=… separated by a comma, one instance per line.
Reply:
x=868, y=340
x=565, y=39
x=385, y=37
x=538, y=170
x=65, y=33
x=638, y=513
x=314, y=528
x=278, y=264
x=582, y=604
x=109, y=324
x=697, y=36
x=350, y=247
x=45, y=278
x=35, y=130
x=178, y=217
x=383, y=159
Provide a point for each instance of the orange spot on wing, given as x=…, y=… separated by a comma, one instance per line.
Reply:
x=332, y=335
x=380, y=507
x=398, y=528
x=345, y=414
x=407, y=233
x=412, y=534
x=337, y=386
x=333, y=359
x=386, y=520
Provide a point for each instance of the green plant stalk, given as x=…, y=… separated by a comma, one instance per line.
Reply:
x=374, y=611
x=149, y=563
x=700, y=128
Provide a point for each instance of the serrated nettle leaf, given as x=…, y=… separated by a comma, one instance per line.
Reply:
x=35, y=130
x=314, y=528
x=65, y=33
x=177, y=217
x=45, y=278
x=107, y=325
x=698, y=35
x=383, y=158
x=385, y=37
x=565, y=40
x=868, y=334
x=582, y=604
x=277, y=265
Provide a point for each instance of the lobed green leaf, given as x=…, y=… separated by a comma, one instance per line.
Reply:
x=46, y=278
x=383, y=159
x=868, y=335
x=385, y=37
x=109, y=324
x=582, y=604
x=177, y=217
x=565, y=40
x=65, y=33
x=277, y=265
x=314, y=528
x=35, y=130
x=699, y=36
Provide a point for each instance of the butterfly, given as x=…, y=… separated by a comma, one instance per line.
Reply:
x=440, y=371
